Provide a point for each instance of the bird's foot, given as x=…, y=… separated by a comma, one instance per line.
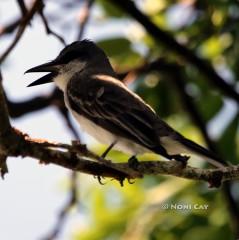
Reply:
x=216, y=181
x=130, y=181
x=181, y=158
x=133, y=162
x=99, y=178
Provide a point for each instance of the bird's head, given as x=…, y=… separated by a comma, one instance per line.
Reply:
x=76, y=57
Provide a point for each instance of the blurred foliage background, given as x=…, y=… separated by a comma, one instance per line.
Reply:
x=184, y=97
x=210, y=29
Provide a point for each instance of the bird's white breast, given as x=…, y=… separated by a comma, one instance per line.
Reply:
x=104, y=136
x=94, y=130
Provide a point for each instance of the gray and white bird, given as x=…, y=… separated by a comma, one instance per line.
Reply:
x=107, y=110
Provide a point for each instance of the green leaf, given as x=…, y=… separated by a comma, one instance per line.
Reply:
x=210, y=104
x=115, y=46
x=160, y=96
x=110, y=9
x=121, y=53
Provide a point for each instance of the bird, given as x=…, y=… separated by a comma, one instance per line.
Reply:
x=109, y=111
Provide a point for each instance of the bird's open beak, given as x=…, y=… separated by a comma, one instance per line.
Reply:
x=46, y=67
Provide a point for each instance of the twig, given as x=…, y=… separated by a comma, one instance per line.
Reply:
x=21, y=29
x=71, y=202
x=18, y=109
x=84, y=17
x=5, y=129
x=73, y=191
x=3, y=165
x=9, y=28
x=65, y=114
x=22, y=6
x=47, y=27
x=5, y=126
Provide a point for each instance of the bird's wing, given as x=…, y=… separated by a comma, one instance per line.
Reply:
x=115, y=108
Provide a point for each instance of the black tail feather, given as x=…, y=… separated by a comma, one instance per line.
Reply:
x=212, y=157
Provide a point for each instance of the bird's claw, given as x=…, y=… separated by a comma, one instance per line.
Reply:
x=216, y=181
x=133, y=162
x=120, y=179
x=181, y=158
x=130, y=181
x=99, y=178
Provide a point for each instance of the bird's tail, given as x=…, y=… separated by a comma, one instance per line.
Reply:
x=192, y=147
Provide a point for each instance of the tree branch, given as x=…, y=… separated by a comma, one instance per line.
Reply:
x=22, y=7
x=84, y=17
x=5, y=130
x=71, y=202
x=76, y=157
x=79, y=158
x=47, y=27
x=166, y=39
x=9, y=28
x=4, y=120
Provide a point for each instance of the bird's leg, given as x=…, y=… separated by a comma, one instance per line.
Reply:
x=102, y=157
x=108, y=149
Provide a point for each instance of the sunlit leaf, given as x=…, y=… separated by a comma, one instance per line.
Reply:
x=121, y=53
x=110, y=9
x=115, y=46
